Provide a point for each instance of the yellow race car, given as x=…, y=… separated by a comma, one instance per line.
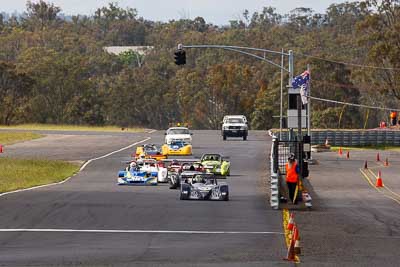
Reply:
x=149, y=152
x=177, y=148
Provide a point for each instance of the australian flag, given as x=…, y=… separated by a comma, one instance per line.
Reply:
x=301, y=81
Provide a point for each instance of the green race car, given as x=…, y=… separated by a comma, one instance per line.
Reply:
x=215, y=163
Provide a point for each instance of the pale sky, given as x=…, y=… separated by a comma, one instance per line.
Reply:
x=213, y=11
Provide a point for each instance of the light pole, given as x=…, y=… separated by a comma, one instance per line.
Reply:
x=245, y=50
x=214, y=111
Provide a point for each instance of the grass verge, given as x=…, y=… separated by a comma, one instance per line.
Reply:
x=8, y=138
x=380, y=147
x=24, y=173
x=64, y=127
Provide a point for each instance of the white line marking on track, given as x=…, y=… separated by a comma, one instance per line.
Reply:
x=81, y=169
x=152, y=131
x=111, y=153
x=138, y=231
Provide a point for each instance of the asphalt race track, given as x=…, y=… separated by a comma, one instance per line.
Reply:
x=149, y=226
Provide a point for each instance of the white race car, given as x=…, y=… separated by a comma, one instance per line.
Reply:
x=178, y=134
x=151, y=165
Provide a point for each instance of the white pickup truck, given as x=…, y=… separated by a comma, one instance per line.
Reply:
x=234, y=126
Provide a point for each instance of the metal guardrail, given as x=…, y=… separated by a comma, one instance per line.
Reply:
x=275, y=175
x=353, y=138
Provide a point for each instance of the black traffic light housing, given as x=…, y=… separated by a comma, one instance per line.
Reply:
x=180, y=57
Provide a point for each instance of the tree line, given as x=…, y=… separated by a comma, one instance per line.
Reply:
x=55, y=70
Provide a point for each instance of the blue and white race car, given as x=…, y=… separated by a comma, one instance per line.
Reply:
x=134, y=176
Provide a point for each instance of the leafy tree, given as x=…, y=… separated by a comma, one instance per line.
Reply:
x=73, y=80
x=41, y=15
x=380, y=34
x=131, y=58
x=15, y=89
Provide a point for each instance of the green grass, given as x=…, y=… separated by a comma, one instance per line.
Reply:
x=63, y=127
x=379, y=147
x=24, y=173
x=8, y=138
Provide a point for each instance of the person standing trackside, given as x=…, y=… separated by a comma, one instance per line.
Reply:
x=393, y=118
x=292, y=176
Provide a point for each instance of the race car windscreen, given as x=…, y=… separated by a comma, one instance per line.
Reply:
x=178, y=144
x=178, y=131
x=204, y=178
x=211, y=157
x=150, y=148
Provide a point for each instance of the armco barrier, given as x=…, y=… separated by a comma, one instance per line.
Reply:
x=353, y=137
x=274, y=200
x=396, y=140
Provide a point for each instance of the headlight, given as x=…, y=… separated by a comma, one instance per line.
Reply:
x=184, y=192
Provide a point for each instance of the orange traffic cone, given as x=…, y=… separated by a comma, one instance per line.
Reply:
x=366, y=165
x=377, y=157
x=291, y=255
x=386, y=162
x=348, y=154
x=291, y=222
x=340, y=151
x=379, y=182
x=297, y=248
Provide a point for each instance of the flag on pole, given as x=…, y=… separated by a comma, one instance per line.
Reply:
x=301, y=81
x=304, y=93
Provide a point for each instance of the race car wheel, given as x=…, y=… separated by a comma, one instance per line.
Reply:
x=244, y=137
x=172, y=185
x=224, y=137
x=226, y=197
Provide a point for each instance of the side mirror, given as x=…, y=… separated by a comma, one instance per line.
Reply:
x=191, y=133
x=165, y=133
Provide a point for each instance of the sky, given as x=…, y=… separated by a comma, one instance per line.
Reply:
x=218, y=12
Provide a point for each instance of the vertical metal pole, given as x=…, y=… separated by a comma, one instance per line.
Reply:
x=291, y=67
x=299, y=117
x=291, y=72
x=281, y=107
x=309, y=104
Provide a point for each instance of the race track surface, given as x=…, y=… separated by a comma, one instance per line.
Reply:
x=352, y=222
x=154, y=227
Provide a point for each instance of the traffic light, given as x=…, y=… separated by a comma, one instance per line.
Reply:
x=180, y=57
